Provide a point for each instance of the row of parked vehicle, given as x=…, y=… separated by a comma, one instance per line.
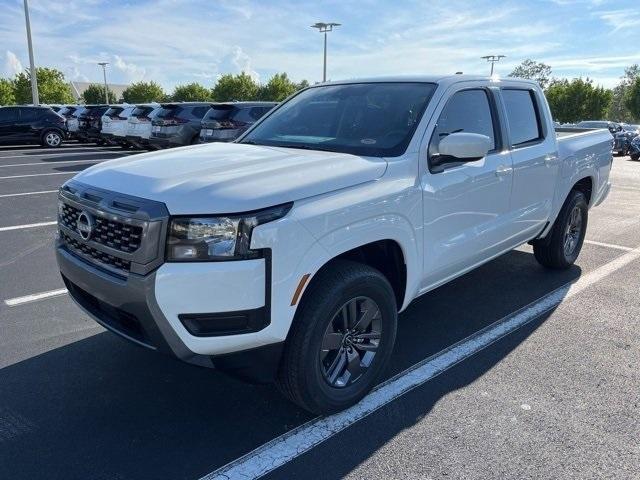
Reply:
x=164, y=125
x=626, y=136
x=145, y=126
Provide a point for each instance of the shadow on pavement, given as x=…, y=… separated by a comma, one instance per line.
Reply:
x=101, y=408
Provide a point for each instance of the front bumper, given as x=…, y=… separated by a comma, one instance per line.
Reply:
x=205, y=313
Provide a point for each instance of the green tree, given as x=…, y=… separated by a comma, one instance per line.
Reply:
x=277, y=88
x=618, y=110
x=576, y=100
x=192, y=92
x=302, y=84
x=632, y=99
x=143, y=92
x=52, y=86
x=95, y=94
x=538, y=71
x=7, y=96
x=235, y=87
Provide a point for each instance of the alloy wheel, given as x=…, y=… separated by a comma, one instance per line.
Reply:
x=350, y=342
x=573, y=231
x=52, y=139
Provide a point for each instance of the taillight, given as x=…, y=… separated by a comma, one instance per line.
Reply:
x=174, y=121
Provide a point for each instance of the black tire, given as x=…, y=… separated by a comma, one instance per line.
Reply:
x=52, y=139
x=301, y=375
x=635, y=158
x=558, y=251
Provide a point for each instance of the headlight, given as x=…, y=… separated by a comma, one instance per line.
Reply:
x=217, y=238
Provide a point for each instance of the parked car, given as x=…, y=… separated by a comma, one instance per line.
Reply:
x=622, y=139
x=634, y=149
x=358, y=197
x=177, y=124
x=114, y=125
x=31, y=125
x=67, y=111
x=225, y=122
x=73, y=121
x=90, y=123
x=613, y=127
x=139, y=124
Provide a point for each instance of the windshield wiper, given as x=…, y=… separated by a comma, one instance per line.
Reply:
x=302, y=147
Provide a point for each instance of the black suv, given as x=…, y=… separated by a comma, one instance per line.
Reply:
x=225, y=122
x=31, y=125
x=90, y=123
x=177, y=124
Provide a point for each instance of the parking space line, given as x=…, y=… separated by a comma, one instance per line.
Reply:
x=7, y=195
x=29, y=225
x=40, y=174
x=46, y=164
x=291, y=445
x=12, y=302
x=609, y=245
x=97, y=152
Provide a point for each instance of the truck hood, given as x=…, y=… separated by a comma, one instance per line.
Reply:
x=231, y=177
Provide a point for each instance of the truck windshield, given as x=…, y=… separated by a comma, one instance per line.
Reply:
x=370, y=119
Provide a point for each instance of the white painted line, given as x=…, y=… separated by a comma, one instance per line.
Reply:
x=40, y=174
x=48, y=164
x=7, y=195
x=97, y=152
x=29, y=225
x=12, y=302
x=609, y=245
x=294, y=443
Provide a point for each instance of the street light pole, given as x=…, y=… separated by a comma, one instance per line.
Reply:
x=34, y=78
x=104, y=74
x=493, y=59
x=324, y=28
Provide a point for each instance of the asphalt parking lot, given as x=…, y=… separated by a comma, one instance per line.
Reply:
x=555, y=395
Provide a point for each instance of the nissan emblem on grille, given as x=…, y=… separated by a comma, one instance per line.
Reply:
x=85, y=225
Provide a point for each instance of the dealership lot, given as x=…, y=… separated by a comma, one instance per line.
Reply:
x=555, y=397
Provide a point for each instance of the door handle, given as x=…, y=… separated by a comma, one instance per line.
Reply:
x=503, y=170
x=550, y=159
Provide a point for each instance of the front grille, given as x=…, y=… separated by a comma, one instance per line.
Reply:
x=90, y=253
x=120, y=236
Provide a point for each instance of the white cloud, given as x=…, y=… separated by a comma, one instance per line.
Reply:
x=132, y=72
x=12, y=64
x=242, y=63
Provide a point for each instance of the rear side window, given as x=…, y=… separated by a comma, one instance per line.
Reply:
x=466, y=111
x=30, y=114
x=522, y=116
x=8, y=115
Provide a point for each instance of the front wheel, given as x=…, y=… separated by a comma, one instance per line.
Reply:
x=341, y=338
x=562, y=247
x=51, y=139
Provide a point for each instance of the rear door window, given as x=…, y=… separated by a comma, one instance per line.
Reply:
x=8, y=115
x=466, y=111
x=523, y=116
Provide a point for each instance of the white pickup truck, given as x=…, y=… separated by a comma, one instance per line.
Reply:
x=288, y=254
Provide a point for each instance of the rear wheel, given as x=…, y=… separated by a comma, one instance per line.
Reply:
x=341, y=338
x=51, y=139
x=635, y=158
x=564, y=242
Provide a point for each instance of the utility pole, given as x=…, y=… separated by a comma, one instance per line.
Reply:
x=32, y=64
x=324, y=28
x=493, y=59
x=104, y=75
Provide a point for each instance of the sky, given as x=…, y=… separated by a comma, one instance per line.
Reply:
x=180, y=41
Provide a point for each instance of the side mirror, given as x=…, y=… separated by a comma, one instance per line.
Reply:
x=463, y=147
